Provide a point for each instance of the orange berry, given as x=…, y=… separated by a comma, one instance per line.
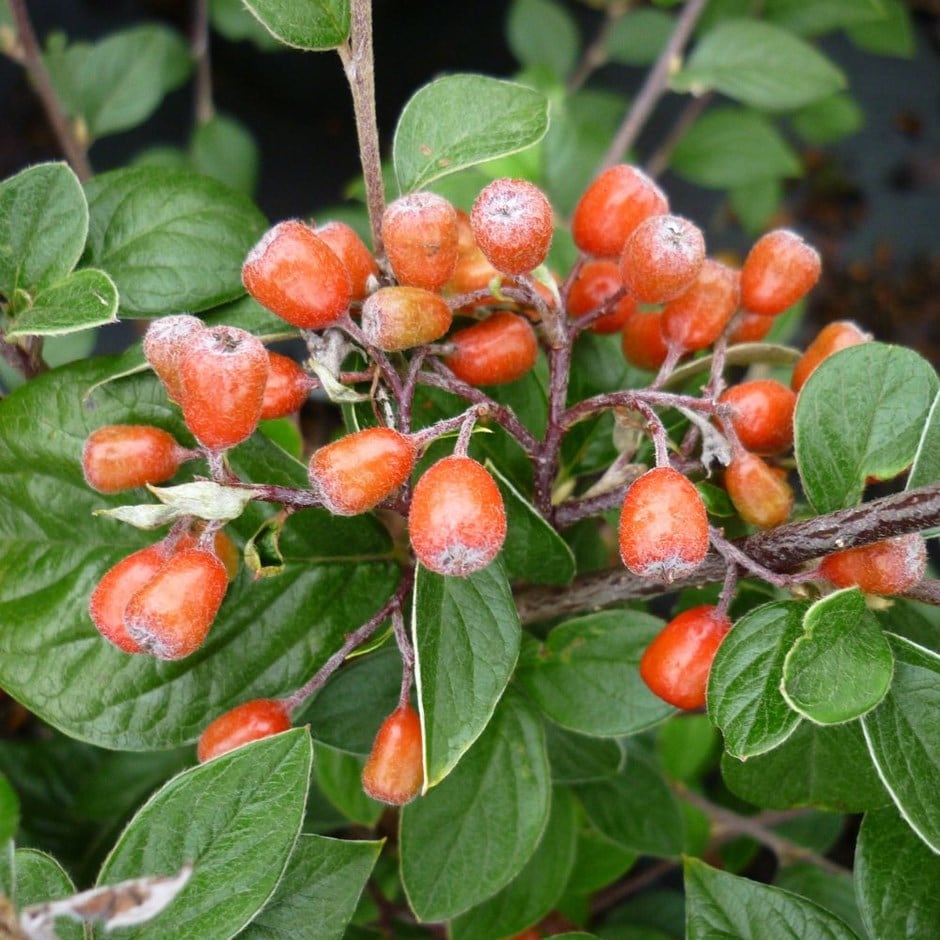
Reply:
x=226, y=550
x=457, y=521
x=676, y=664
x=395, y=318
x=840, y=334
x=394, y=772
x=343, y=241
x=164, y=343
x=762, y=415
x=779, y=269
x=512, y=222
x=643, y=343
x=297, y=276
x=358, y=471
x=698, y=316
x=500, y=349
x=286, y=389
x=662, y=258
x=222, y=376
x=889, y=567
x=172, y=613
x=122, y=456
x=663, y=526
x=419, y=232
x=250, y=721
x=760, y=493
x=750, y=328
x=596, y=283
x=612, y=207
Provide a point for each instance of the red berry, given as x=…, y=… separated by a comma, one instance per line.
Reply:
x=643, y=343
x=226, y=550
x=662, y=258
x=343, y=241
x=358, y=471
x=395, y=318
x=419, y=232
x=612, y=207
x=698, y=316
x=457, y=521
x=760, y=492
x=596, y=283
x=394, y=772
x=222, y=377
x=121, y=456
x=286, y=388
x=512, y=222
x=762, y=415
x=663, y=526
x=164, y=343
x=676, y=664
x=889, y=567
x=500, y=349
x=250, y=721
x=473, y=272
x=779, y=269
x=172, y=613
x=834, y=336
x=295, y=274
x=750, y=328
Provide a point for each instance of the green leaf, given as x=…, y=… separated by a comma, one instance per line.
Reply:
x=829, y=119
x=534, y=891
x=638, y=38
x=318, y=894
x=744, y=697
x=53, y=551
x=40, y=878
x=469, y=837
x=460, y=121
x=171, y=240
x=760, y=65
x=823, y=766
x=598, y=862
x=314, y=25
x=533, y=550
x=43, y=225
x=841, y=667
x=754, y=203
x=543, y=33
x=896, y=878
x=903, y=737
x=719, y=905
x=117, y=83
x=636, y=809
x=236, y=818
x=892, y=35
x=687, y=746
x=339, y=777
x=860, y=414
x=731, y=147
x=926, y=467
x=823, y=16
x=233, y=21
x=466, y=634
x=9, y=811
x=835, y=892
x=84, y=299
x=586, y=677
x=578, y=758
x=223, y=149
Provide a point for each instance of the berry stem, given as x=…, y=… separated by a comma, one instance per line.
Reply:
x=657, y=432
x=407, y=651
x=632, y=398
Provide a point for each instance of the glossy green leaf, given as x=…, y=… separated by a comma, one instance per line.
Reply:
x=860, y=414
x=829, y=119
x=896, y=878
x=84, y=299
x=586, y=677
x=688, y=746
x=926, y=467
x=823, y=16
x=579, y=758
x=172, y=241
x=232, y=20
x=469, y=837
x=40, y=878
x=823, y=766
x=598, y=862
x=755, y=203
x=224, y=149
x=236, y=819
x=638, y=37
x=317, y=896
x=892, y=34
x=841, y=667
x=339, y=778
x=733, y=147
x=43, y=225
x=903, y=737
x=466, y=634
x=744, y=697
x=543, y=33
x=534, y=891
x=834, y=892
x=719, y=904
x=314, y=25
x=53, y=552
x=460, y=121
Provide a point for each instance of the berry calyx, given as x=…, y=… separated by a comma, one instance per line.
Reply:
x=643, y=342
x=499, y=349
x=841, y=334
x=396, y=318
x=676, y=664
x=286, y=388
x=358, y=471
x=250, y=721
x=163, y=345
x=596, y=283
x=779, y=269
x=419, y=232
x=512, y=222
x=297, y=276
x=360, y=265
x=394, y=771
x=759, y=492
x=457, y=521
x=698, y=316
x=888, y=567
x=663, y=526
x=120, y=457
x=171, y=614
x=662, y=258
x=761, y=413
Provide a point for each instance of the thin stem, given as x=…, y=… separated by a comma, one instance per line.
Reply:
x=547, y=455
x=407, y=651
x=659, y=161
x=466, y=431
x=18, y=358
x=657, y=432
x=595, y=53
x=204, y=107
x=631, y=399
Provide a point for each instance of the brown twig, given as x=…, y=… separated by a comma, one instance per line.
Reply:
x=204, y=108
